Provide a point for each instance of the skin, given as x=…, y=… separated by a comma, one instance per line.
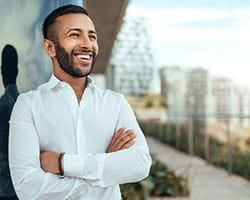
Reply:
x=76, y=34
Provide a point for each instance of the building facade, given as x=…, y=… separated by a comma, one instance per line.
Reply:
x=130, y=67
x=192, y=92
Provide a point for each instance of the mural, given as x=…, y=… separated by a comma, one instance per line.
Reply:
x=21, y=26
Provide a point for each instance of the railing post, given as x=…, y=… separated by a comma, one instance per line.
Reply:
x=157, y=128
x=168, y=130
x=230, y=168
x=190, y=136
x=177, y=135
x=206, y=141
x=161, y=131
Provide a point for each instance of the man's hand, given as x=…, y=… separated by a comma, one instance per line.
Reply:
x=121, y=140
x=50, y=161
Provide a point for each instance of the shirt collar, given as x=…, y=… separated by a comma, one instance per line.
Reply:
x=53, y=82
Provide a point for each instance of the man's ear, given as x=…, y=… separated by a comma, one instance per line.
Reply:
x=49, y=47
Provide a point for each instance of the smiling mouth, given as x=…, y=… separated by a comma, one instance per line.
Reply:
x=84, y=56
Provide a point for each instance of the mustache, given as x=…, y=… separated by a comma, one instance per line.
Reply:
x=83, y=50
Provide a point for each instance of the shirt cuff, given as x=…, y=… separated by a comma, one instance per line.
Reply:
x=88, y=166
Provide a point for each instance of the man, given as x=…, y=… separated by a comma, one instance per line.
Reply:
x=70, y=128
x=9, y=72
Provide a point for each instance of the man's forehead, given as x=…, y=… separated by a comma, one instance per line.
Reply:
x=79, y=20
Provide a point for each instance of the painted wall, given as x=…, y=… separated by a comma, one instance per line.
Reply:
x=21, y=26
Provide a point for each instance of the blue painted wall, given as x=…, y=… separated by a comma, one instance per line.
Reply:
x=20, y=25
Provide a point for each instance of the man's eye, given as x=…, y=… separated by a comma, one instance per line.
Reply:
x=93, y=37
x=74, y=35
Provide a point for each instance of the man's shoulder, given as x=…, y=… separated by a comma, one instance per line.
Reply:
x=28, y=96
x=34, y=92
x=107, y=93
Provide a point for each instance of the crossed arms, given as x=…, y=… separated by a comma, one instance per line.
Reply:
x=34, y=173
x=122, y=139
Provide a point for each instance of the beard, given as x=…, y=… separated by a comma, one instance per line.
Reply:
x=67, y=63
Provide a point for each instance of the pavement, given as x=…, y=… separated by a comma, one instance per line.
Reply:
x=206, y=182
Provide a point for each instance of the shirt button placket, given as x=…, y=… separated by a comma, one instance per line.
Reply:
x=80, y=133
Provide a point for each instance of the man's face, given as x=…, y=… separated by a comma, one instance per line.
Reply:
x=76, y=46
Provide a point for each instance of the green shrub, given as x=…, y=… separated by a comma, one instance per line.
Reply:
x=161, y=182
x=218, y=154
x=241, y=163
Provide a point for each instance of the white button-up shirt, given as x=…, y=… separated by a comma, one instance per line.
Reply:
x=50, y=118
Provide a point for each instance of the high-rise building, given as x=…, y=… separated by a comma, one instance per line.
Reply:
x=241, y=106
x=173, y=88
x=197, y=84
x=130, y=67
x=222, y=96
x=192, y=92
x=185, y=90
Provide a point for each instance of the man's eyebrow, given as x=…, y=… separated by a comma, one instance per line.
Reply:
x=92, y=31
x=74, y=29
x=80, y=30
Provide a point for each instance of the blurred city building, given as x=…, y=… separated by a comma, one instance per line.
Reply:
x=196, y=92
x=230, y=102
x=241, y=105
x=185, y=91
x=192, y=92
x=222, y=97
x=130, y=67
x=173, y=88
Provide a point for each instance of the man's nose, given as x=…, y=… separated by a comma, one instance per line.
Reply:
x=86, y=43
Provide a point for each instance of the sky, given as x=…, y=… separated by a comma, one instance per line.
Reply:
x=213, y=34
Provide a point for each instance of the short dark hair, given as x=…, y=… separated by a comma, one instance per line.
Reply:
x=63, y=10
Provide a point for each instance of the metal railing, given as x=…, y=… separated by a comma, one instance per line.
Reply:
x=188, y=133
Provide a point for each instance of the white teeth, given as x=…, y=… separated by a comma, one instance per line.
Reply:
x=84, y=56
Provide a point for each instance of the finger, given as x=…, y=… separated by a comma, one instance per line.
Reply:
x=121, y=130
x=126, y=135
x=125, y=138
x=117, y=134
x=120, y=137
x=128, y=144
x=129, y=131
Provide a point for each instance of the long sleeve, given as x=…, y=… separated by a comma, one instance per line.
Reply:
x=119, y=167
x=29, y=180
x=132, y=164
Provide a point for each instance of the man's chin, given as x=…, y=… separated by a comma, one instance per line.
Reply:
x=81, y=70
x=84, y=73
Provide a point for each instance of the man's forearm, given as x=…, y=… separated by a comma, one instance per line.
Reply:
x=108, y=169
x=52, y=162
x=129, y=165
